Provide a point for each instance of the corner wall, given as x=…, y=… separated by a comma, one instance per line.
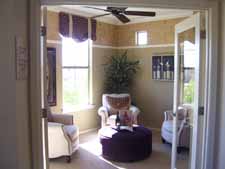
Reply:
x=88, y=118
x=151, y=96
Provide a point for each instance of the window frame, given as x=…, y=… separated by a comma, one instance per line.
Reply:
x=137, y=37
x=88, y=67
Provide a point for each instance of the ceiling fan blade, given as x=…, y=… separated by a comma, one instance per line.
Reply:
x=97, y=16
x=122, y=17
x=119, y=9
x=91, y=7
x=139, y=13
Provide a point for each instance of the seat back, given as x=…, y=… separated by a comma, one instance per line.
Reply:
x=116, y=102
x=182, y=112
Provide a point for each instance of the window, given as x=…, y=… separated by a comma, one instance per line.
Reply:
x=188, y=72
x=141, y=38
x=75, y=65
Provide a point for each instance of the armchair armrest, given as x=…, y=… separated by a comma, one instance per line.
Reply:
x=57, y=135
x=55, y=129
x=168, y=115
x=102, y=111
x=135, y=112
x=65, y=119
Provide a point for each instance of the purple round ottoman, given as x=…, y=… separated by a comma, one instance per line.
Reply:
x=126, y=146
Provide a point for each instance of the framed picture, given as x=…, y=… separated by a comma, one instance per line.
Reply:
x=163, y=67
x=51, y=76
x=156, y=67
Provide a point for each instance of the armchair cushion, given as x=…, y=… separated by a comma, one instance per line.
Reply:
x=71, y=131
x=113, y=103
x=65, y=119
x=168, y=125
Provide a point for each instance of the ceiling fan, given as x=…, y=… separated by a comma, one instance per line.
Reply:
x=120, y=13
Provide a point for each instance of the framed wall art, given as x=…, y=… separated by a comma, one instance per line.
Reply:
x=51, y=76
x=163, y=67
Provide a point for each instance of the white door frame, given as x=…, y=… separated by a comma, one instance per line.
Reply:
x=212, y=58
x=191, y=22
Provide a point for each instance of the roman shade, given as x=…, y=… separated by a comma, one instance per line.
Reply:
x=64, y=24
x=93, y=29
x=80, y=28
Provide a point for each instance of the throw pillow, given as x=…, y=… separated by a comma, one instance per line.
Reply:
x=126, y=118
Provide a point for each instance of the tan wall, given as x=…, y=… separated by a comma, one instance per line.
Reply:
x=85, y=119
x=152, y=108
x=53, y=26
x=88, y=119
x=159, y=32
x=106, y=34
x=151, y=96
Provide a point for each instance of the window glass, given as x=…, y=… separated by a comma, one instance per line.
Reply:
x=142, y=38
x=74, y=54
x=188, y=72
x=75, y=87
x=75, y=74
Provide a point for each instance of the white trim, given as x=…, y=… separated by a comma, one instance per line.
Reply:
x=104, y=46
x=88, y=130
x=119, y=47
x=191, y=22
x=154, y=129
x=132, y=47
x=44, y=87
x=59, y=42
x=211, y=86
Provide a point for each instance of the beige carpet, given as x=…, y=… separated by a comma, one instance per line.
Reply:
x=89, y=157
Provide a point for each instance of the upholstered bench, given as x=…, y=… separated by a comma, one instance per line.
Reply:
x=126, y=146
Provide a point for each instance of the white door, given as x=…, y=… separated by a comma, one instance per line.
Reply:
x=44, y=86
x=187, y=86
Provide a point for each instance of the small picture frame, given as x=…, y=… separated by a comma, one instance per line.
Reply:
x=163, y=67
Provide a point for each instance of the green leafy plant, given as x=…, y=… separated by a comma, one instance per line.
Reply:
x=189, y=92
x=119, y=73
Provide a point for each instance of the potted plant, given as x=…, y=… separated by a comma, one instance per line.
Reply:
x=119, y=73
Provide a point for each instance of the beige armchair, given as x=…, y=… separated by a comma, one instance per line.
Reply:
x=63, y=136
x=111, y=103
x=183, y=128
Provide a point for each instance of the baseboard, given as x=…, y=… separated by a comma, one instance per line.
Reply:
x=95, y=129
x=88, y=130
x=154, y=129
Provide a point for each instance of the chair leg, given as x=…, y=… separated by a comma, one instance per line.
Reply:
x=179, y=150
x=68, y=159
x=163, y=140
